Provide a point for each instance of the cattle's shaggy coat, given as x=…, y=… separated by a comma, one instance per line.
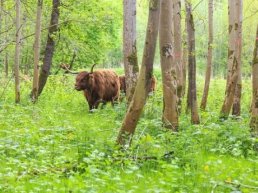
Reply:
x=98, y=86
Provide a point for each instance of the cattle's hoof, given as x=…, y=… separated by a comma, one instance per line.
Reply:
x=93, y=110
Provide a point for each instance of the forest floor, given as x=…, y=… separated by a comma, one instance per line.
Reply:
x=56, y=145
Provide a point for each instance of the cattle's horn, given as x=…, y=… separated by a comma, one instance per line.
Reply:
x=68, y=70
x=91, y=70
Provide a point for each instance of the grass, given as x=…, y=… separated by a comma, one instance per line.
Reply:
x=56, y=145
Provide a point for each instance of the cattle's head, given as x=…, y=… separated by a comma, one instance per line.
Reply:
x=85, y=80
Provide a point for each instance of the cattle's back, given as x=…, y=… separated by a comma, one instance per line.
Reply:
x=106, y=84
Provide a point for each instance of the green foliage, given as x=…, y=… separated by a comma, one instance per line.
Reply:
x=56, y=145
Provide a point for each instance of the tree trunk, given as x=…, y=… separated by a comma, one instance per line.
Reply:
x=178, y=49
x=168, y=66
x=209, y=58
x=73, y=59
x=237, y=98
x=49, y=51
x=34, y=92
x=254, y=112
x=6, y=65
x=130, y=51
x=141, y=91
x=184, y=61
x=1, y=14
x=232, y=75
x=17, y=51
x=192, y=96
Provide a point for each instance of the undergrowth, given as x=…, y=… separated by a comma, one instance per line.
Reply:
x=56, y=145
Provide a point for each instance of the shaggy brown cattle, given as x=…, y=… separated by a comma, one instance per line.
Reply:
x=123, y=85
x=98, y=86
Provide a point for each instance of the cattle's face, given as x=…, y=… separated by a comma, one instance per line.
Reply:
x=83, y=81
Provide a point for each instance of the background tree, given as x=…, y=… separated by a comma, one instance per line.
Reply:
x=50, y=46
x=37, y=52
x=184, y=57
x=209, y=57
x=141, y=90
x=254, y=110
x=192, y=96
x=236, y=110
x=168, y=66
x=233, y=64
x=178, y=48
x=129, y=47
x=17, y=51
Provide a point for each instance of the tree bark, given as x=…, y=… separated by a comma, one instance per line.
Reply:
x=254, y=111
x=178, y=49
x=232, y=75
x=50, y=46
x=209, y=58
x=236, y=110
x=17, y=51
x=141, y=91
x=129, y=47
x=34, y=92
x=168, y=67
x=1, y=14
x=6, y=62
x=184, y=65
x=192, y=96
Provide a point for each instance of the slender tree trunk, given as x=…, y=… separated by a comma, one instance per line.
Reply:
x=232, y=75
x=184, y=61
x=178, y=49
x=73, y=59
x=6, y=65
x=1, y=14
x=168, y=66
x=141, y=91
x=254, y=112
x=129, y=44
x=192, y=96
x=237, y=98
x=34, y=92
x=186, y=64
x=50, y=46
x=17, y=51
x=209, y=58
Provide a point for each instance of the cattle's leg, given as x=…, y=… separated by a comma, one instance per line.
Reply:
x=103, y=104
x=96, y=104
x=114, y=101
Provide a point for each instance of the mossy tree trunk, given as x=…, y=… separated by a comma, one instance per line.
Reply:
x=232, y=75
x=184, y=59
x=50, y=46
x=178, y=49
x=254, y=111
x=192, y=95
x=236, y=110
x=129, y=47
x=135, y=108
x=209, y=58
x=168, y=66
x=34, y=93
x=17, y=51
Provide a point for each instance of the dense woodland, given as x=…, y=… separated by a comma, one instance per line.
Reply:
x=129, y=96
